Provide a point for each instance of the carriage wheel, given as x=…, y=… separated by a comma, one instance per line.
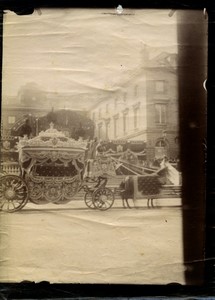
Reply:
x=103, y=198
x=88, y=199
x=13, y=193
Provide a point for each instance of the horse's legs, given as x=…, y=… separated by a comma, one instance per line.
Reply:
x=124, y=202
x=152, y=202
x=128, y=204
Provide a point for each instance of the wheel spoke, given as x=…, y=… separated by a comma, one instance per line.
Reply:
x=103, y=198
x=103, y=204
x=13, y=193
x=13, y=204
x=2, y=203
x=89, y=200
x=4, y=186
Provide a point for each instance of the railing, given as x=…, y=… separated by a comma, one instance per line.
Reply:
x=10, y=168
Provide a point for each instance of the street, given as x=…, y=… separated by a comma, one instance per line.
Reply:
x=74, y=244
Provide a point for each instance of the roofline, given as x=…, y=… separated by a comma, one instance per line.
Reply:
x=45, y=109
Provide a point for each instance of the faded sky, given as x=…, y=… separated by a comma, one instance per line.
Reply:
x=81, y=51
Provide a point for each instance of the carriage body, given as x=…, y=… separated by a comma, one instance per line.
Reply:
x=52, y=171
x=51, y=165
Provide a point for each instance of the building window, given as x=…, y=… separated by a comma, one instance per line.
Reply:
x=136, y=118
x=115, y=103
x=116, y=125
x=161, y=149
x=107, y=126
x=160, y=113
x=100, y=113
x=136, y=109
x=107, y=108
x=160, y=143
x=11, y=119
x=160, y=86
x=99, y=131
x=125, y=121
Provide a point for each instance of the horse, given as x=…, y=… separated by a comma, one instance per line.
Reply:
x=140, y=186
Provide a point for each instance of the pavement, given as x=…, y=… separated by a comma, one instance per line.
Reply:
x=71, y=243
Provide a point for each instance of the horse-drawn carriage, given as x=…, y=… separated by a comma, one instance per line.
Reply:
x=52, y=168
x=55, y=168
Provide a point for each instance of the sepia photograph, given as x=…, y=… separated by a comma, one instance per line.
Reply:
x=91, y=183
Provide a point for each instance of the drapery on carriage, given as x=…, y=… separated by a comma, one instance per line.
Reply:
x=52, y=171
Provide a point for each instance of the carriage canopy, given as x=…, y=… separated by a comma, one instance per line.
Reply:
x=51, y=147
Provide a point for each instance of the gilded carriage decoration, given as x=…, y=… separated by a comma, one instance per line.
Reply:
x=53, y=170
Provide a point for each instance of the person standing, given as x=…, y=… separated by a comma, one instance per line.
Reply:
x=26, y=129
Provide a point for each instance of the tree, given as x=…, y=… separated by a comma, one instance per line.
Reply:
x=77, y=124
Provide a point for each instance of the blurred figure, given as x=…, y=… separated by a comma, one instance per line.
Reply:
x=100, y=148
x=92, y=145
x=172, y=174
x=26, y=129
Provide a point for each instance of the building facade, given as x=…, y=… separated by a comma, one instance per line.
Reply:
x=13, y=117
x=145, y=108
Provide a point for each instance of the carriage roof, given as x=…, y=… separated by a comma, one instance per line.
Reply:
x=51, y=144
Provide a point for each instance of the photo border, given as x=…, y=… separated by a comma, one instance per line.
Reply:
x=206, y=154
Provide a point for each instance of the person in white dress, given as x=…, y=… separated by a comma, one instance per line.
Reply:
x=171, y=173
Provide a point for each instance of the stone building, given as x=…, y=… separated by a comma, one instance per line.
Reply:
x=145, y=108
x=14, y=115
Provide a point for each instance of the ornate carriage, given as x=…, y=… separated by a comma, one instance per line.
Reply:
x=53, y=169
